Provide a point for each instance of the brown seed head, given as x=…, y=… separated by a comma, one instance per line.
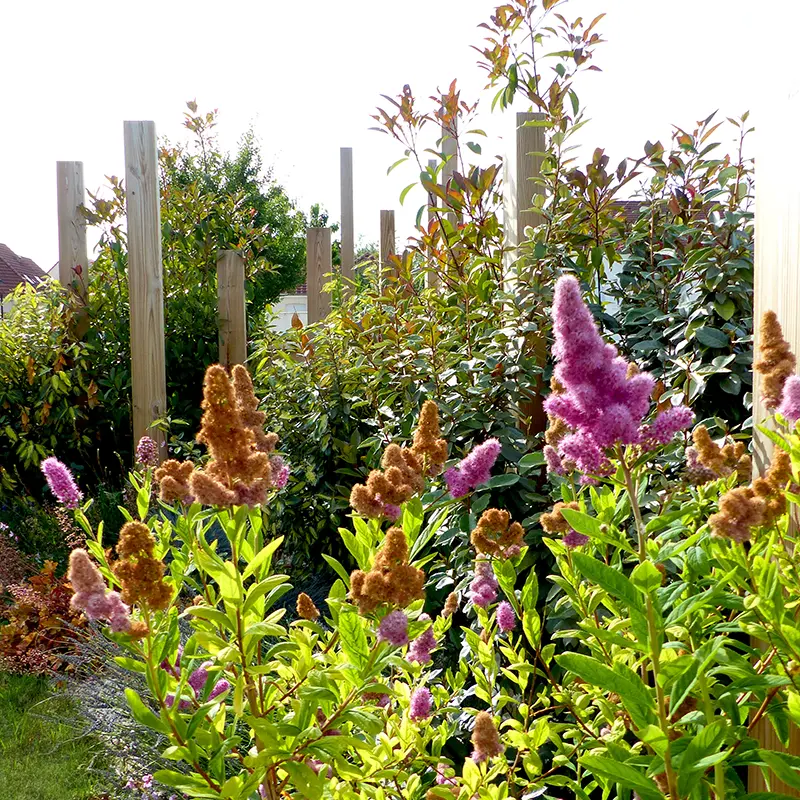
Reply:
x=553, y=521
x=306, y=608
x=495, y=534
x=776, y=363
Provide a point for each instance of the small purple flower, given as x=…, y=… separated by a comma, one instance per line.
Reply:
x=442, y=778
x=380, y=699
x=506, y=619
x=474, y=470
x=420, y=649
x=483, y=589
x=175, y=671
x=280, y=472
x=394, y=629
x=147, y=781
x=790, y=400
x=553, y=460
x=219, y=687
x=667, y=424
x=199, y=677
x=61, y=483
x=183, y=705
x=573, y=539
x=318, y=765
x=392, y=512
x=147, y=452
x=421, y=703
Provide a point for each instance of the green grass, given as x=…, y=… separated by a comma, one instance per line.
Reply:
x=39, y=758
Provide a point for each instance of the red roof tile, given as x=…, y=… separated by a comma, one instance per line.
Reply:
x=15, y=270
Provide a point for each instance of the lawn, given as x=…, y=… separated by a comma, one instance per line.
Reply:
x=41, y=759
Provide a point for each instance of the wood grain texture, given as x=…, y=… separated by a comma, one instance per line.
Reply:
x=432, y=277
x=521, y=167
x=318, y=266
x=777, y=288
x=145, y=279
x=73, y=259
x=387, y=242
x=231, y=309
x=348, y=249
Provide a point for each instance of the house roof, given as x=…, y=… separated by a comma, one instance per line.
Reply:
x=15, y=270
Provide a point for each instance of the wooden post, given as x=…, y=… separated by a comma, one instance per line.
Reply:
x=232, y=313
x=348, y=252
x=777, y=288
x=318, y=264
x=387, y=242
x=432, y=277
x=145, y=280
x=73, y=261
x=450, y=165
x=521, y=166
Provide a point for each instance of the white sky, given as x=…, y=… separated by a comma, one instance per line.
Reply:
x=308, y=75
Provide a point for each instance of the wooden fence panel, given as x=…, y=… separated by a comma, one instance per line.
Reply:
x=232, y=309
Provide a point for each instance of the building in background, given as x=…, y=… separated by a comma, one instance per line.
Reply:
x=15, y=270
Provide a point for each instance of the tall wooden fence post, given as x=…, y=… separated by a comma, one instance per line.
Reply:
x=432, y=277
x=73, y=260
x=348, y=252
x=145, y=280
x=318, y=264
x=232, y=312
x=777, y=288
x=522, y=165
x=387, y=244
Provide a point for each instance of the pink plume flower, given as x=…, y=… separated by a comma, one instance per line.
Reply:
x=421, y=703
x=199, y=677
x=280, y=472
x=790, y=400
x=667, y=424
x=553, y=460
x=420, y=649
x=600, y=402
x=394, y=629
x=147, y=452
x=474, y=470
x=392, y=512
x=506, y=618
x=219, y=687
x=183, y=705
x=61, y=482
x=483, y=589
x=573, y=539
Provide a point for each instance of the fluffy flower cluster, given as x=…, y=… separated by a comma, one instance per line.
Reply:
x=306, y=609
x=790, y=400
x=603, y=403
x=474, y=470
x=483, y=589
x=554, y=521
x=495, y=534
x=394, y=629
x=240, y=471
x=421, y=647
x=392, y=580
x=776, y=362
x=506, y=618
x=93, y=598
x=450, y=605
x=748, y=507
x=61, y=482
x=485, y=738
x=421, y=704
x=707, y=461
x=138, y=571
x=147, y=452
x=403, y=470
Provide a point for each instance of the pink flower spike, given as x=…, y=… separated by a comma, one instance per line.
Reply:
x=790, y=400
x=506, y=618
x=474, y=470
x=394, y=629
x=421, y=704
x=61, y=483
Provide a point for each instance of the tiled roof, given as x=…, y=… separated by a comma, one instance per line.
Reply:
x=15, y=270
x=301, y=289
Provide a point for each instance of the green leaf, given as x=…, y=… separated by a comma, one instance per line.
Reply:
x=304, y=780
x=610, y=579
x=263, y=558
x=143, y=715
x=508, y=479
x=583, y=523
x=530, y=591
x=530, y=461
x=192, y=785
x=711, y=337
x=783, y=770
x=353, y=636
x=406, y=191
x=624, y=774
x=636, y=697
x=646, y=577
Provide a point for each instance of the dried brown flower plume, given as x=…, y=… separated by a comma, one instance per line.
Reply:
x=450, y=605
x=428, y=446
x=391, y=580
x=772, y=486
x=714, y=461
x=777, y=362
x=239, y=471
x=553, y=521
x=306, y=609
x=485, y=738
x=495, y=534
x=138, y=571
